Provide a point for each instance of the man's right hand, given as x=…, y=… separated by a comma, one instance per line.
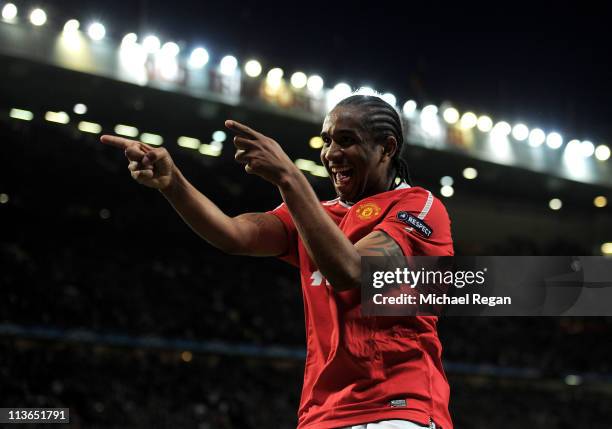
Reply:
x=152, y=167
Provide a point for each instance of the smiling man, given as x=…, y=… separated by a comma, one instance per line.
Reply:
x=360, y=372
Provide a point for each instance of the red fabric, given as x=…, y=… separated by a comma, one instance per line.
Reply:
x=356, y=365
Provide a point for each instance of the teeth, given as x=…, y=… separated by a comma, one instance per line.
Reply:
x=339, y=169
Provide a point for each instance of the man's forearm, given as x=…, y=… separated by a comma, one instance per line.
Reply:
x=335, y=256
x=202, y=215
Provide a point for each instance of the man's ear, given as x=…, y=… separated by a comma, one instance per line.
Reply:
x=389, y=147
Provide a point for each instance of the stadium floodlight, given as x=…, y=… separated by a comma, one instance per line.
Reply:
x=23, y=115
x=366, y=90
x=502, y=128
x=151, y=44
x=314, y=84
x=342, y=89
x=80, y=109
x=228, y=65
x=389, y=98
x=447, y=191
x=4, y=198
x=484, y=123
x=274, y=76
x=152, y=139
x=602, y=152
x=188, y=142
x=555, y=204
x=129, y=39
x=9, y=12
x=319, y=171
x=72, y=26
x=554, y=140
x=57, y=117
x=587, y=148
x=199, y=58
x=536, y=137
x=606, y=248
x=409, y=108
x=126, y=130
x=468, y=121
x=305, y=164
x=96, y=31
x=170, y=49
x=429, y=110
x=252, y=68
x=470, y=173
x=446, y=181
x=90, y=127
x=299, y=80
x=600, y=201
x=520, y=132
x=316, y=142
x=450, y=115
x=219, y=136
x=38, y=17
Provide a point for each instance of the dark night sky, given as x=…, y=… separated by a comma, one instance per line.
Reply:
x=547, y=65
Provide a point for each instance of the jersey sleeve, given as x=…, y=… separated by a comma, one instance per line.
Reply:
x=420, y=225
x=291, y=255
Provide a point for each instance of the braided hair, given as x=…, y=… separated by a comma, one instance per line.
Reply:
x=381, y=120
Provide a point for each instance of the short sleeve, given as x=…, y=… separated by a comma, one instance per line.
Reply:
x=420, y=225
x=291, y=255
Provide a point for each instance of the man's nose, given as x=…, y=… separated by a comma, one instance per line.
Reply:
x=334, y=152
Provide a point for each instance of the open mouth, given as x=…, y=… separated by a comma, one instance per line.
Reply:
x=342, y=175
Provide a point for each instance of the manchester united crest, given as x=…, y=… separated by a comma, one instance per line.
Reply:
x=367, y=211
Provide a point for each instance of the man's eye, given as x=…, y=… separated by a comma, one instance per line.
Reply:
x=326, y=140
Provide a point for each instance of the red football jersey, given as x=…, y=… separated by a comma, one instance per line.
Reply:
x=364, y=369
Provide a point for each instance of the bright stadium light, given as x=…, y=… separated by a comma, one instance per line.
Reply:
x=536, y=137
x=252, y=68
x=468, y=121
x=470, y=173
x=484, y=124
x=80, y=109
x=606, y=248
x=446, y=181
x=23, y=115
x=170, y=49
x=38, y=17
x=219, y=136
x=152, y=139
x=447, y=191
x=502, y=128
x=587, y=148
x=389, y=98
x=520, y=132
x=555, y=204
x=189, y=142
x=4, y=198
x=315, y=84
x=409, y=108
x=57, y=117
x=429, y=110
x=316, y=142
x=366, y=90
x=228, y=65
x=600, y=201
x=554, y=140
x=274, y=78
x=126, y=130
x=129, y=39
x=299, y=80
x=602, y=152
x=90, y=127
x=151, y=44
x=342, y=89
x=96, y=31
x=72, y=26
x=199, y=58
x=9, y=12
x=451, y=115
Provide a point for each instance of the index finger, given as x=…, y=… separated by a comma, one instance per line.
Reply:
x=241, y=128
x=123, y=143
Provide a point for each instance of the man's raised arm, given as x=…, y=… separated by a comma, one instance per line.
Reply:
x=256, y=234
